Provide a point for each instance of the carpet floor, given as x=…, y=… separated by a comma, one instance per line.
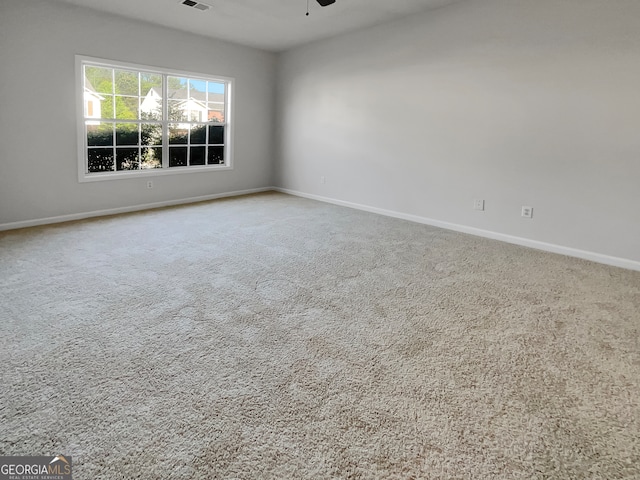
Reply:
x=274, y=337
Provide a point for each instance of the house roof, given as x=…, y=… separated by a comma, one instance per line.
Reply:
x=88, y=86
x=88, y=89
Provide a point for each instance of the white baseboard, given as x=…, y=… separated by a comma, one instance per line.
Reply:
x=135, y=208
x=525, y=242
x=548, y=247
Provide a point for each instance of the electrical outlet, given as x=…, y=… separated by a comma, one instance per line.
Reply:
x=478, y=205
x=323, y=179
x=527, y=212
x=149, y=183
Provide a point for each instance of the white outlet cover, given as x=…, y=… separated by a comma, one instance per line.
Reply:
x=527, y=212
x=478, y=205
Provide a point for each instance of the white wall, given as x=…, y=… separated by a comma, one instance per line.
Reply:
x=38, y=141
x=518, y=102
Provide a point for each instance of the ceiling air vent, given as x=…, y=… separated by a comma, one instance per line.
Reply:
x=198, y=5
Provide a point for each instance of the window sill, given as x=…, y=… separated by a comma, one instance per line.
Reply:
x=99, y=177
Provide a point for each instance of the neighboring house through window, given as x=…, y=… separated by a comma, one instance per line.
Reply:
x=92, y=103
x=145, y=120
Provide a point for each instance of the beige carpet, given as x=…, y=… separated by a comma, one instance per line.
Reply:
x=273, y=337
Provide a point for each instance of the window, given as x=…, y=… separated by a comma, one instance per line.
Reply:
x=139, y=120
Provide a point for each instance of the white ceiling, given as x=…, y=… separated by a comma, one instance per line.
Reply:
x=268, y=24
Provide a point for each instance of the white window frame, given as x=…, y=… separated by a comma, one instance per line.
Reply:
x=85, y=176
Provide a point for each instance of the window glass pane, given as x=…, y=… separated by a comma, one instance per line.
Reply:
x=197, y=112
x=106, y=106
x=178, y=134
x=149, y=81
x=215, y=112
x=127, y=159
x=197, y=156
x=100, y=160
x=126, y=134
x=126, y=108
x=151, y=157
x=126, y=82
x=215, y=87
x=198, y=89
x=216, y=135
x=177, y=86
x=151, y=106
x=151, y=134
x=178, y=93
x=99, y=133
x=151, y=96
x=215, y=155
x=98, y=79
x=178, y=110
x=198, y=134
x=178, y=156
x=197, y=100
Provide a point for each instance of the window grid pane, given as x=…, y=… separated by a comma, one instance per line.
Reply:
x=127, y=128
